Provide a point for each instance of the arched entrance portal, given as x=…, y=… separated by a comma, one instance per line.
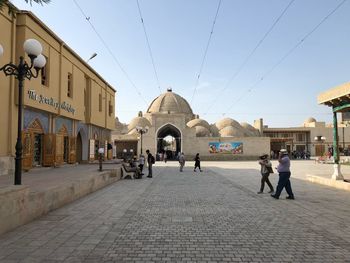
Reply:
x=79, y=155
x=169, y=141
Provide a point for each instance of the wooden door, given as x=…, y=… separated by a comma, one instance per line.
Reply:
x=59, y=149
x=319, y=149
x=27, y=151
x=72, y=150
x=49, y=150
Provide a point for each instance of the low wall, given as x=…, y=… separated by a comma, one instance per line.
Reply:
x=340, y=184
x=7, y=165
x=19, y=205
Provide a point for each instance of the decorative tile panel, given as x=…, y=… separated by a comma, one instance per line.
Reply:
x=31, y=115
x=59, y=121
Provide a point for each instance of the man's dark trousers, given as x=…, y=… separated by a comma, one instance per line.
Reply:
x=284, y=182
x=149, y=170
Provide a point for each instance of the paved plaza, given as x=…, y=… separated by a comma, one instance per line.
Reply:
x=213, y=216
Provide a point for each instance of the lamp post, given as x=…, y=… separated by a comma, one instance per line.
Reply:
x=125, y=154
x=141, y=131
x=21, y=72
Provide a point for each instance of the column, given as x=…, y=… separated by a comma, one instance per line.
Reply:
x=337, y=173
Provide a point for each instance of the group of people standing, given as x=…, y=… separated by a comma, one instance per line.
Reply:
x=283, y=170
x=151, y=161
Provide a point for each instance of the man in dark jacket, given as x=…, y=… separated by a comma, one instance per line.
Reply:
x=150, y=160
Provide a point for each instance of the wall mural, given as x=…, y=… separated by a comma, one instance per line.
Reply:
x=226, y=147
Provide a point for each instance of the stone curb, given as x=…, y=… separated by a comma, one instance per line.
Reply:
x=339, y=184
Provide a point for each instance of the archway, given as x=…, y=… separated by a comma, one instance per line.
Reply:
x=169, y=141
x=79, y=148
x=83, y=151
x=62, y=142
x=32, y=153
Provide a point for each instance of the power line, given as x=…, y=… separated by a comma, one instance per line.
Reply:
x=289, y=52
x=110, y=51
x=234, y=76
x=149, y=46
x=206, y=51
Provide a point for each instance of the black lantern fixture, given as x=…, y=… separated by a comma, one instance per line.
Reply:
x=141, y=131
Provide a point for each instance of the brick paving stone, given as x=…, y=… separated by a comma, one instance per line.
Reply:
x=215, y=217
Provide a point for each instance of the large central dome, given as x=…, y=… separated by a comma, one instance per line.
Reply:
x=169, y=102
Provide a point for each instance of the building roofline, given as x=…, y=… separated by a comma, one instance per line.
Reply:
x=56, y=37
x=295, y=129
x=335, y=95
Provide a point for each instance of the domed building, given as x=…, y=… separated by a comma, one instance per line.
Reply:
x=172, y=127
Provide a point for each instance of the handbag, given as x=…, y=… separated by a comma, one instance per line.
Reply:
x=269, y=169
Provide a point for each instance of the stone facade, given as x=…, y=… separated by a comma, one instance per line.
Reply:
x=62, y=107
x=171, y=115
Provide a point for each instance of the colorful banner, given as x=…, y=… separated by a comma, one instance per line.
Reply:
x=226, y=147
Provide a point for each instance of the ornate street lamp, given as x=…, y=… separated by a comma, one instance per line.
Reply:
x=141, y=131
x=320, y=138
x=23, y=71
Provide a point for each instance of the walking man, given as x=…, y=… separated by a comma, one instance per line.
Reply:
x=150, y=161
x=283, y=169
x=182, y=161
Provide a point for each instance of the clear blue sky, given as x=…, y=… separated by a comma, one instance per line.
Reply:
x=178, y=32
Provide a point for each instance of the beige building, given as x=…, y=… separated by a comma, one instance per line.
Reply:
x=68, y=110
x=312, y=136
x=172, y=127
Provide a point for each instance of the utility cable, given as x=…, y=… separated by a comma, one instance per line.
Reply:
x=149, y=46
x=234, y=76
x=110, y=52
x=289, y=52
x=206, y=51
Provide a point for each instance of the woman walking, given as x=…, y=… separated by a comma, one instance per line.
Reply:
x=265, y=172
x=197, y=163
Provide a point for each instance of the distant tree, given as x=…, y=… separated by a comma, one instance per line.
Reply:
x=12, y=9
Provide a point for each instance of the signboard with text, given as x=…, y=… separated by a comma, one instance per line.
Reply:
x=50, y=101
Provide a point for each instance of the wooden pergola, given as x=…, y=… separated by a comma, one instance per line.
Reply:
x=339, y=99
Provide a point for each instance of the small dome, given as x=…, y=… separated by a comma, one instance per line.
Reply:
x=198, y=122
x=227, y=122
x=310, y=120
x=138, y=121
x=214, y=130
x=230, y=131
x=169, y=102
x=202, y=131
x=250, y=129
